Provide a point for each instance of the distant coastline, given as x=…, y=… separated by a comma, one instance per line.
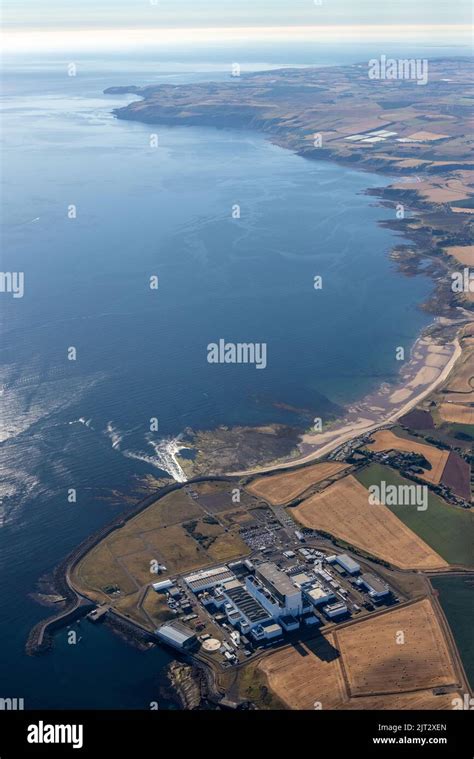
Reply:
x=440, y=161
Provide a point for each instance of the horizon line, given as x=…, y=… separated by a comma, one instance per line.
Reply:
x=57, y=39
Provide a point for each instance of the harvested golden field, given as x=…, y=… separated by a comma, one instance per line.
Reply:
x=375, y=663
x=461, y=379
x=457, y=413
x=423, y=700
x=282, y=488
x=443, y=191
x=462, y=253
x=411, y=163
x=300, y=678
x=427, y=136
x=386, y=440
x=343, y=510
x=362, y=667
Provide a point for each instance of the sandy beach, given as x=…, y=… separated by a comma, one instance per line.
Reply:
x=429, y=366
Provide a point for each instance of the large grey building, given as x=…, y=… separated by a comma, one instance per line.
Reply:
x=178, y=636
x=376, y=588
x=280, y=586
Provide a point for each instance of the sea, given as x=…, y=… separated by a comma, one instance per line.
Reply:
x=90, y=354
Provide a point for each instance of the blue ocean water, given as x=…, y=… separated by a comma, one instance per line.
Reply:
x=163, y=211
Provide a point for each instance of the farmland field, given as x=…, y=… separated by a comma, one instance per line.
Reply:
x=300, y=677
x=456, y=595
x=458, y=413
x=462, y=253
x=362, y=666
x=343, y=510
x=417, y=419
x=457, y=475
x=449, y=530
x=459, y=386
x=376, y=662
x=385, y=440
x=282, y=488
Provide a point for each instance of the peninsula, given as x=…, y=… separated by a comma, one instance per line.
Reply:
x=282, y=589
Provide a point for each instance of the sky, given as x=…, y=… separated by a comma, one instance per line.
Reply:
x=36, y=23
x=70, y=14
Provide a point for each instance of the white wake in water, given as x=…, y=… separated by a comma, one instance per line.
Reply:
x=165, y=459
x=114, y=435
x=82, y=420
x=164, y=456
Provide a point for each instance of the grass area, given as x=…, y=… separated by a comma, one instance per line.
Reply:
x=128, y=607
x=226, y=547
x=456, y=595
x=175, y=532
x=464, y=429
x=120, y=544
x=236, y=517
x=99, y=571
x=253, y=687
x=447, y=529
x=175, y=548
x=203, y=532
x=156, y=606
x=173, y=508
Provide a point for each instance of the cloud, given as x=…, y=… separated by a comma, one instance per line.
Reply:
x=53, y=40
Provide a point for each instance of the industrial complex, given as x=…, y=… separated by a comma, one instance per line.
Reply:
x=231, y=611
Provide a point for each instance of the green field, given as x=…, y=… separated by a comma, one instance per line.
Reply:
x=456, y=595
x=447, y=529
x=464, y=429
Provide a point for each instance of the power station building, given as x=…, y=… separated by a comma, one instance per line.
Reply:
x=282, y=593
x=241, y=609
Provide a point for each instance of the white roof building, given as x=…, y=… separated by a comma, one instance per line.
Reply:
x=177, y=635
x=345, y=561
x=208, y=578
